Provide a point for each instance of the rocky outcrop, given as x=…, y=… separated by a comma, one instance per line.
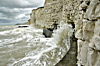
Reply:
x=84, y=16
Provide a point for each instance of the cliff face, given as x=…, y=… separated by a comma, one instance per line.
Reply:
x=87, y=31
x=84, y=15
x=37, y=17
x=53, y=12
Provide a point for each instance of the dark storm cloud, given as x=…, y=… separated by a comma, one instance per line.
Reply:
x=17, y=11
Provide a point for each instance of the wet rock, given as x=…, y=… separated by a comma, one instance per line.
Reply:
x=22, y=26
x=47, y=32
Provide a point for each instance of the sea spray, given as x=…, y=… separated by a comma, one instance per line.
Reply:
x=49, y=52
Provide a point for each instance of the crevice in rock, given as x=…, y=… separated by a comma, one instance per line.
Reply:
x=91, y=20
x=88, y=3
x=84, y=9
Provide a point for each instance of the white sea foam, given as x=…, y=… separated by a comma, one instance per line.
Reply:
x=5, y=32
x=56, y=48
x=31, y=48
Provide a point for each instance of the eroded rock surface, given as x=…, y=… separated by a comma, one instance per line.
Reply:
x=85, y=15
x=88, y=42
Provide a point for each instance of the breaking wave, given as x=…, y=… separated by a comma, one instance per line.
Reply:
x=28, y=47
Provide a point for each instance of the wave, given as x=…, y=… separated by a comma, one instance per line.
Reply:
x=46, y=52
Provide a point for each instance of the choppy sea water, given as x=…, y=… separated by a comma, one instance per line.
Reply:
x=28, y=47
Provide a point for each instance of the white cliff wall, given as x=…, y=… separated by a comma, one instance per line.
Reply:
x=37, y=17
x=84, y=15
x=53, y=12
x=87, y=31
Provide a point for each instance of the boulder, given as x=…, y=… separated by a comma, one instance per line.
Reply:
x=47, y=32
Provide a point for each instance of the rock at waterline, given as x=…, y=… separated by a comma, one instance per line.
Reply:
x=22, y=26
x=47, y=32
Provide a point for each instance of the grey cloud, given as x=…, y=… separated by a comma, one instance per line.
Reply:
x=5, y=21
x=11, y=13
x=17, y=11
x=21, y=3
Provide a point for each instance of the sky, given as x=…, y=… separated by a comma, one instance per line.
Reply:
x=17, y=11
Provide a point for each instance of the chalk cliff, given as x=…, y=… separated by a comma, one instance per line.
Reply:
x=38, y=16
x=84, y=16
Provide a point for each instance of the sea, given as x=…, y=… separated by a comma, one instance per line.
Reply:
x=29, y=47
